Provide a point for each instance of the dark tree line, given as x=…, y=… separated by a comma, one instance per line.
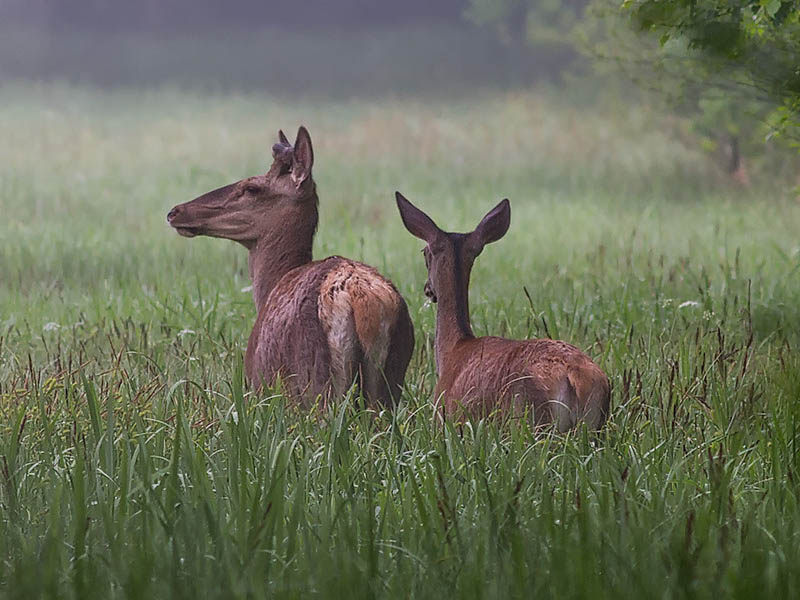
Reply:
x=182, y=15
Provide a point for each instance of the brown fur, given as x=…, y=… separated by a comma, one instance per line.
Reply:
x=546, y=380
x=550, y=380
x=320, y=325
x=325, y=325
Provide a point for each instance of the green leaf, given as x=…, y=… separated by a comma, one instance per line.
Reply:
x=772, y=7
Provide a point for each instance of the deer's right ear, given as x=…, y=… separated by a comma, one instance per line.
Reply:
x=417, y=222
x=283, y=139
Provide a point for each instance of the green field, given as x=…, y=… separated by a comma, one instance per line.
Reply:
x=134, y=464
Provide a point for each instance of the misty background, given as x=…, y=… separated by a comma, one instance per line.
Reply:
x=582, y=52
x=330, y=47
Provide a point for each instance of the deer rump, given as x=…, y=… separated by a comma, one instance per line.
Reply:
x=328, y=324
x=547, y=380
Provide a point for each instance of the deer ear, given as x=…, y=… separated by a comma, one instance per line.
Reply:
x=495, y=224
x=303, y=157
x=282, y=151
x=417, y=222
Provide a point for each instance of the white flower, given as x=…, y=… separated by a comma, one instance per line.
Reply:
x=51, y=326
x=688, y=303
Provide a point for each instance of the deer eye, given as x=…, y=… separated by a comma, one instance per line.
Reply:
x=252, y=189
x=426, y=253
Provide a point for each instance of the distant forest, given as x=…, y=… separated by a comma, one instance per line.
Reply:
x=333, y=47
x=185, y=15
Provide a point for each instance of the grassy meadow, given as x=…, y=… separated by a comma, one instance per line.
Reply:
x=135, y=464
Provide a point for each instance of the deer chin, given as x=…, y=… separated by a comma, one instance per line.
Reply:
x=188, y=232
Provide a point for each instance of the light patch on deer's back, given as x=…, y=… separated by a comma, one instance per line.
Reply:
x=357, y=309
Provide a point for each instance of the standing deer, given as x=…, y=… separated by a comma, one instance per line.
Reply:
x=321, y=325
x=551, y=379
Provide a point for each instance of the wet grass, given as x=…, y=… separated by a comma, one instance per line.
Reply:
x=134, y=463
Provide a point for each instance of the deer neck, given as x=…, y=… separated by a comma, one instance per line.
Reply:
x=272, y=256
x=452, y=317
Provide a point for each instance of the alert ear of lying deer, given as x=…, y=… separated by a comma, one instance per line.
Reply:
x=551, y=380
x=320, y=325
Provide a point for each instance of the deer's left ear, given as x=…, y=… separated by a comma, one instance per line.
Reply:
x=495, y=224
x=303, y=157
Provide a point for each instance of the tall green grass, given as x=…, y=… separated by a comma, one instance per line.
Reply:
x=135, y=463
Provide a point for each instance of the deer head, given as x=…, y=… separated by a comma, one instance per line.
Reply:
x=449, y=256
x=280, y=203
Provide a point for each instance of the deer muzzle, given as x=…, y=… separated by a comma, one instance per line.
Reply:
x=174, y=220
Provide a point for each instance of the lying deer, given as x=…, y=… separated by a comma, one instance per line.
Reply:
x=323, y=324
x=551, y=379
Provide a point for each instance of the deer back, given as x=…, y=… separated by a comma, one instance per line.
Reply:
x=327, y=324
x=547, y=380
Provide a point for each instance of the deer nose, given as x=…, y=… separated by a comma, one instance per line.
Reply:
x=428, y=290
x=173, y=213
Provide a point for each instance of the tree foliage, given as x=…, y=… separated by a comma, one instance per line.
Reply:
x=748, y=48
x=731, y=66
